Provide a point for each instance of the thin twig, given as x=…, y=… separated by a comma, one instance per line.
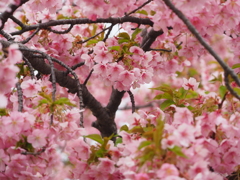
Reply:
x=223, y=99
x=226, y=80
x=164, y=50
x=79, y=94
x=6, y=35
x=20, y=97
x=81, y=42
x=30, y=37
x=61, y=32
x=34, y=153
x=193, y=30
x=144, y=4
x=77, y=65
x=17, y=21
x=132, y=100
x=89, y=75
x=53, y=77
x=137, y=107
x=29, y=66
x=108, y=33
x=9, y=12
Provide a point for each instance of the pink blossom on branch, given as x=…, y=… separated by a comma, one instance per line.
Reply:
x=38, y=138
x=191, y=84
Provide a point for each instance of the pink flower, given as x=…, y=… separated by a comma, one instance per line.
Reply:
x=167, y=170
x=30, y=87
x=99, y=47
x=141, y=176
x=14, y=122
x=182, y=115
x=169, y=142
x=4, y=158
x=198, y=167
x=3, y=101
x=37, y=138
x=88, y=60
x=100, y=69
x=136, y=50
x=103, y=57
x=82, y=149
x=106, y=165
x=185, y=134
x=146, y=76
x=14, y=55
x=191, y=84
x=126, y=78
x=115, y=69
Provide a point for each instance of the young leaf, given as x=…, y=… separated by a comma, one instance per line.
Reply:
x=124, y=128
x=236, y=66
x=124, y=35
x=142, y=12
x=92, y=41
x=237, y=90
x=144, y=144
x=135, y=33
x=166, y=104
x=95, y=137
x=118, y=141
x=222, y=91
x=63, y=100
x=116, y=48
x=178, y=151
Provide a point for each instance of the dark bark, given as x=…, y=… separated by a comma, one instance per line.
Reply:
x=105, y=115
x=6, y=14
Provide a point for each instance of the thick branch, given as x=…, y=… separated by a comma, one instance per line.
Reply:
x=46, y=25
x=149, y=38
x=105, y=116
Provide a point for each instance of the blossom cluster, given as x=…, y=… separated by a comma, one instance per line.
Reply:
x=190, y=129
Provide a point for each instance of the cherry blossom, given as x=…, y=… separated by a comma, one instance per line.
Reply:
x=37, y=138
x=74, y=72
x=191, y=84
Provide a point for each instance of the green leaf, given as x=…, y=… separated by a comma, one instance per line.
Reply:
x=46, y=96
x=3, y=112
x=144, y=144
x=92, y=41
x=182, y=92
x=95, y=137
x=64, y=100
x=124, y=35
x=101, y=152
x=164, y=88
x=124, y=128
x=236, y=66
x=135, y=33
x=237, y=90
x=120, y=41
x=178, y=151
x=137, y=129
x=43, y=101
x=166, y=104
x=116, y=48
x=222, y=91
x=163, y=96
x=142, y=12
x=157, y=97
x=118, y=141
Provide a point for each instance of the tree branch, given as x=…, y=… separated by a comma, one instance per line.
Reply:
x=6, y=14
x=46, y=25
x=193, y=30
